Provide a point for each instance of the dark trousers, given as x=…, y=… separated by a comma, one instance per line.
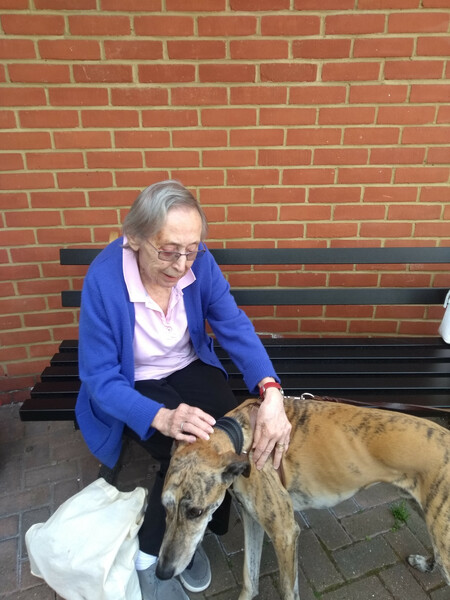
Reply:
x=199, y=385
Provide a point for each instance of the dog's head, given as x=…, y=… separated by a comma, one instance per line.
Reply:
x=196, y=482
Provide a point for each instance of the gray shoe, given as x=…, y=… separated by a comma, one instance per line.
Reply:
x=197, y=576
x=153, y=588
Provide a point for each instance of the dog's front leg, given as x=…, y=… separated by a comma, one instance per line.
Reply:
x=268, y=503
x=253, y=540
x=254, y=535
x=282, y=528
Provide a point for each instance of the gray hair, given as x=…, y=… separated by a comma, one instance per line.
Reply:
x=148, y=212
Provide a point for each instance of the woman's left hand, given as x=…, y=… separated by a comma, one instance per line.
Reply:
x=272, y=430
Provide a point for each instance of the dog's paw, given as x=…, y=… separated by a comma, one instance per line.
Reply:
x=419, y=562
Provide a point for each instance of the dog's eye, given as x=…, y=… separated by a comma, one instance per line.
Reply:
x=194, y=513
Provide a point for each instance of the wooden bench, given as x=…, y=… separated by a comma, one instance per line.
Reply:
x=414, y=370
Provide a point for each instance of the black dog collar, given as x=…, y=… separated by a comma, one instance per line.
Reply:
x=233, y=430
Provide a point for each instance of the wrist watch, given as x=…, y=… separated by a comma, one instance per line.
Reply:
x=269, y=384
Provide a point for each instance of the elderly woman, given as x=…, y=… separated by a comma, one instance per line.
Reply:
x=148, y=367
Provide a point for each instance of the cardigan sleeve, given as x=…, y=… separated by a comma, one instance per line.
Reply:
x=106, y=361
x=233, y=329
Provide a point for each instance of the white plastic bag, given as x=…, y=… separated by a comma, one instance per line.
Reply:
x=444, y=327
x=86, y=549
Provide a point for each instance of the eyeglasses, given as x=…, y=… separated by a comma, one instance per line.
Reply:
x=169, y=256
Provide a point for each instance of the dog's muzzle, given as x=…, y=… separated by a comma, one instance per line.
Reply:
x=163, y=572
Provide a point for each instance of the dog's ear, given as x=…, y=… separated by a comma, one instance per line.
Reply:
x=238, y=466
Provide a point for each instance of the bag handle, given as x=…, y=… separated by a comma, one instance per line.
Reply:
x=447, y=299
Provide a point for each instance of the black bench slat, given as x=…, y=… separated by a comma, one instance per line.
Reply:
x=68, y=345
x=337, y=385
x=59, y=373
x=61, y=408
x=365, y=378
x=390, y=389
x=48, y=408
x=314, y=297
x=339, y=296
x=355, y=354
x=384, y=349
x=53, y=376
x=72, y=344
x=71, y=298
x=78, y=256
x=297, y=358
x=64, y=358
x=315, y=354
x=351, y=341
x=397, y=343
x=296, y=256
x=292, y=366
x=329, y=256
x=56, y=388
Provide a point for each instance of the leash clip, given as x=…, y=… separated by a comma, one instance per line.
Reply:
x=307, y=396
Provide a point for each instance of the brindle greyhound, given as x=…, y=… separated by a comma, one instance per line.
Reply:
x=335, y=450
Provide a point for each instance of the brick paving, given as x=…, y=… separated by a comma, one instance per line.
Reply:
x=354, y=552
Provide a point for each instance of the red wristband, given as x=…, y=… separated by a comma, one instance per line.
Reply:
x=269, y=384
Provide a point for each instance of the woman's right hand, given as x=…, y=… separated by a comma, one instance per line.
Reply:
x=185, y=423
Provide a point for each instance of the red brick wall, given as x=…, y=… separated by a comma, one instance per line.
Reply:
x=293, y=125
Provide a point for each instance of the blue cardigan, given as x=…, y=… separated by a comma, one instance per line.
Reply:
x=107, y=400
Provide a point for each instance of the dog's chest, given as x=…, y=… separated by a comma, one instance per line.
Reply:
x=304, y=501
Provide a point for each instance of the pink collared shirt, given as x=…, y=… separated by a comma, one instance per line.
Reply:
x=162, y=343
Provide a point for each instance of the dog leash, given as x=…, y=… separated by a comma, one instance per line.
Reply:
x=396, y=406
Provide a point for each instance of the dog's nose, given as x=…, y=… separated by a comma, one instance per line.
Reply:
x=163, y=572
